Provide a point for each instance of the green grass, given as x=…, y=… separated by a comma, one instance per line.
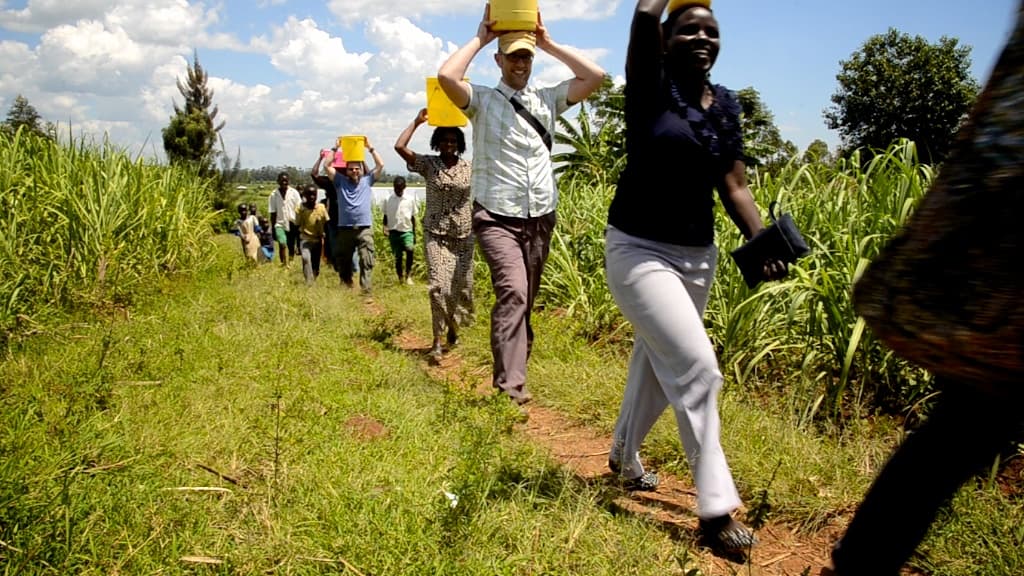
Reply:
x=87, y=225
x=255, y=376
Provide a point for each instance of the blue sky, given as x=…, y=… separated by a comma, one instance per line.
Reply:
x=290, y=76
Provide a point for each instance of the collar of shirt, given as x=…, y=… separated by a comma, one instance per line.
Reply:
x=508, y=91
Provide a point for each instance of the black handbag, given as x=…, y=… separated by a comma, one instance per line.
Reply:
x=779, y=241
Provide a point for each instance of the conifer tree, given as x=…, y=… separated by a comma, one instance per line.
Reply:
x=192, y=134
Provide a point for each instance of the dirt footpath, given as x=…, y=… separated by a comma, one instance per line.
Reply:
x=584, y=451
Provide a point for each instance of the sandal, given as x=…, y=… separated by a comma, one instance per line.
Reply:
x=614, y=466
x=646, y=482
x=726, y=534
x=435, y=354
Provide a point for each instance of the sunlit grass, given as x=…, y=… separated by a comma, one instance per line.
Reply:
x=252, y=377
x=86, y=225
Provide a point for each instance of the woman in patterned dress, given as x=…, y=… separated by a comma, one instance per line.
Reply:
x=447, y=228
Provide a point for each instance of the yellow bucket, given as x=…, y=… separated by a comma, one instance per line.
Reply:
x=441, y=111
x=353, y=148
x=514, y=15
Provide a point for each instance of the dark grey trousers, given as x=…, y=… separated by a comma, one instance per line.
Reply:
x=516, y=250
x=347, y=241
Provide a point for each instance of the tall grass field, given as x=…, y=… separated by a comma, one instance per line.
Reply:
x=167, y=409
x=86, y=225
x=799, y=337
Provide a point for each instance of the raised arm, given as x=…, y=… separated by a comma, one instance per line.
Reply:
x=588, y=74
x=453, y=71
x=402, y=144
x=330, y=170
x=316, y=166
x=643, y=56
x=378, y=164
x=652, y=7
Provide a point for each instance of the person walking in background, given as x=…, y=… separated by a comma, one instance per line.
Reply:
x=447, y=228
x=311, y=219
x=945, y=294
x=512, y=178
x=266, y=236
x=246, y=226
x=400, y=226
x=283, y=203
x=355, y=222
x=337, y=161
x=660, y=262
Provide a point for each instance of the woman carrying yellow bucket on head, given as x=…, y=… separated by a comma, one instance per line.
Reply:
x=355, y=221
x=447, y=222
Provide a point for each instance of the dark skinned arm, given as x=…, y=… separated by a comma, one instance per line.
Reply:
x=402, y=144
x=739, y=204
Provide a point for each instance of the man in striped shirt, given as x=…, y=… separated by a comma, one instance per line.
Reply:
x=515, y=193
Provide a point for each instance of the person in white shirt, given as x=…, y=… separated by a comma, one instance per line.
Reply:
x=282, y=205
x=400, y=226
x=513, y=182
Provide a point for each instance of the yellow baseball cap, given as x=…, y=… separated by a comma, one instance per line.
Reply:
x=518, y=40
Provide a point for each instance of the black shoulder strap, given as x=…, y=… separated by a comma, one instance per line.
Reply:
x=531, y=119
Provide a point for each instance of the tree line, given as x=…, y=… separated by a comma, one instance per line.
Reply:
x=894, y=86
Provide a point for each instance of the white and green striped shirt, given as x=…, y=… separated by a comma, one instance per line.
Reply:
x=512, y=174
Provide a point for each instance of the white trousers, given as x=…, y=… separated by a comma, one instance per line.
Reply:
x=662, y=290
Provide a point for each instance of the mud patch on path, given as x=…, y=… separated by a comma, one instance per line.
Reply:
x=365, y=428
x=584, y=451
x=781, y=552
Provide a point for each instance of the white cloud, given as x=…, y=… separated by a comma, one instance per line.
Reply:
x=169, y=22
x=547, y=71
x=352, y=11
x=552, y=10
x=41, y=15
x=18, y=69
x=349, y=11
x=161, y=24
x=112, y=65
x=312, y=56
x=87, y=56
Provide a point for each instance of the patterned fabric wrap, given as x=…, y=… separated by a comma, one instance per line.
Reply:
x=946, y=292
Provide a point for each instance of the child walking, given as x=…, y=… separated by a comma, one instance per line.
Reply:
x=311, y=218
x=246, y=226
x=266, y=237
